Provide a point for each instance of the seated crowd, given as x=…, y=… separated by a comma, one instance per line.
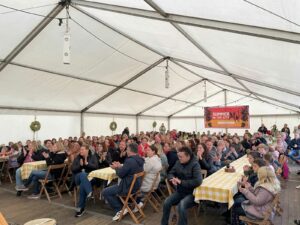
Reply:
x=177, y=157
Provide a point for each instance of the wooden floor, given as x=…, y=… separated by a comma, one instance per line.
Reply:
x=19, y=210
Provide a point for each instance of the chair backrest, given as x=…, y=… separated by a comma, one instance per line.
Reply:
x=275, y=201
x=169, y=187
x=135, y=177
x=153, y=186
x=55, y=167
x=204, y=173
x=3, y=220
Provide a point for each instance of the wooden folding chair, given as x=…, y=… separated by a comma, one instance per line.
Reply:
x=3, y=220
x=267, y=215
x=150, y=196
x=2, y=168
x=170, y=191
x=132, y=196
x=54, y=181
x=67, y=176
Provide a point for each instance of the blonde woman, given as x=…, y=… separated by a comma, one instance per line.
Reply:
x=260, y=197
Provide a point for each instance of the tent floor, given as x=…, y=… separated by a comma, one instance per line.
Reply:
x=19, y=210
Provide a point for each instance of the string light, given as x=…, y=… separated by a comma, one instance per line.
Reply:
x=67, y=37
x=167, y=76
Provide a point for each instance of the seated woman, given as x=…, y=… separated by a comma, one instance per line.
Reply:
x=259, y=197
x=56, y=156
x=26, y=156
x=249, y=170
x=205, y=161
x=151, y=167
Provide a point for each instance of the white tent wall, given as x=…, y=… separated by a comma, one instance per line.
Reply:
x=97, y=124
x=197, y=124
x=145, y=123
x=14, y=125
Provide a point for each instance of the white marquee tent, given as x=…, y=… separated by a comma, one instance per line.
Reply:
x=242, y=52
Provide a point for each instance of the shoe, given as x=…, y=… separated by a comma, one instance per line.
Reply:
x=21, y=188
x=80, y=212
x=298, y=187
x=140, y=205
x=298, y=173
x=118, y=215
x=34, y=196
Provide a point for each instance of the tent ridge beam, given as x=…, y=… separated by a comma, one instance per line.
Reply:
x=41, y=25
x=195, y=103
x=260, y=95
x=90, y=80
x=38, y=109
x=171, y=96
x=237, y=77
x=217, y=84
x=242, y=29
x=264, y=101
x=125, y=83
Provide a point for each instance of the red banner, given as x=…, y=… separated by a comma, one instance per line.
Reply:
x=227, y=117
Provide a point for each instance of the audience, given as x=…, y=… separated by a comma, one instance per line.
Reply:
x=178, y=156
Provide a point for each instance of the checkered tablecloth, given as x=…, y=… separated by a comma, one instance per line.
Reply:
x=105, y=174
x=28, y=167
x=221, y=186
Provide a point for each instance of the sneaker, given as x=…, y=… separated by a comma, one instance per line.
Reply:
x=140, y=205
x=34, y=196
x=89, y=196
x=298, y=187
x=118, y=215
x=80, y=212
x=21, y=188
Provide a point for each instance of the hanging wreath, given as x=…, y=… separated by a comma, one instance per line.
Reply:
x=35, y=126
x=154, y=124
x=113, y=126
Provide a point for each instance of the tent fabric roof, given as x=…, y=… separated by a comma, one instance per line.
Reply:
x=119, y=52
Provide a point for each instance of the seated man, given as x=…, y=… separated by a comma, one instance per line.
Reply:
x=132, y=165
x=185, y=176
x=82, y=165
x=56, y=156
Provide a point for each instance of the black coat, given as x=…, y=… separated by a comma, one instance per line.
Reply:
x=172, y=159
x=92, y=164
x=56, y=158
x=189, y=174
x=132, y=165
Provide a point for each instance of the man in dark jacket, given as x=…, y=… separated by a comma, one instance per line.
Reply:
x=132, y=165
x=185, y=176
x=82, y=165
x=171, y=156
x=55, y=157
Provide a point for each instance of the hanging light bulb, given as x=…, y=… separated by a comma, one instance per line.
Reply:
x=67, y=43
x=167, y=76
x=205, y=92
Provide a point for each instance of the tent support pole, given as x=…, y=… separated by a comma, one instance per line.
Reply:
x=81, y=123
x=225, y=103
x=137, y=124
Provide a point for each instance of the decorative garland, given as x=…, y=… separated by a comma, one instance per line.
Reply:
x=154, y=124
x=113, y=126
x=35, y=126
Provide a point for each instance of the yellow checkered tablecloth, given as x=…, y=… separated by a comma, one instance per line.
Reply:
x=105, y=174
x=30, y=166
x=221, y=186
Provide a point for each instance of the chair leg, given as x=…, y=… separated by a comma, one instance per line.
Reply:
x=57, y=190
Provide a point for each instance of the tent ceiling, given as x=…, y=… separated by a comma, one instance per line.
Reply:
x=112, y=73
